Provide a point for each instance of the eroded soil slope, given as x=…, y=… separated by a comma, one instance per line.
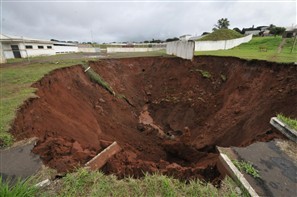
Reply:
x=178, y=111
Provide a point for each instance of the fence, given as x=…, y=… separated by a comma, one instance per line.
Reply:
x=221, y=44
x=130, y=49
x=183, y=49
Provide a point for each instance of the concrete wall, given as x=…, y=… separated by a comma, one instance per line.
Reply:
x=65, y=49
x=220, y=45
x=88, y=49
x=183, y=49
x=131, y=49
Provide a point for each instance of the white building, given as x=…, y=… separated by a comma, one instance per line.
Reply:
x=185, y=37
x=255, y=31
x=22, y=47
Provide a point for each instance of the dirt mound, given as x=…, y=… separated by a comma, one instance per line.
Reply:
x=178, y=111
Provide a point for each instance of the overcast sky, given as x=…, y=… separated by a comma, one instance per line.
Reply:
x=135, y=21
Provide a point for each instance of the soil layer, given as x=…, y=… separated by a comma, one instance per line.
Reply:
x=178, y=111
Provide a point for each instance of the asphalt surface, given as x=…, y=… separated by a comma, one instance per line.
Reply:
x=278, y=171
x=18, y=162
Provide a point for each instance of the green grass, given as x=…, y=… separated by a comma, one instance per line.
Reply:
x=221, y=34
x=84, y=183
x=251, y=50
x=246, y=167
x=19, y=189
x=95, y=77
x=204, y=73
x=16, y=87
x=288, y=121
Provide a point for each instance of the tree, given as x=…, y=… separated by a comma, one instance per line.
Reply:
x=172, y=39
x=237, y=29
x=277, y=30
x=222, y=23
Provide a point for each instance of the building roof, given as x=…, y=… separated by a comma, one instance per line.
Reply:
x=259, y=28
x=185, y=35
x=10, y=38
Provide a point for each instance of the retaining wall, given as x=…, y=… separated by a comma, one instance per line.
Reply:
x=89, y=49
x=131, y=49
x=2, y=57
x=183, y=49
x=221, y=44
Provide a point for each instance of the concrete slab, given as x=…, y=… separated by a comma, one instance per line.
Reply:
x=230, y=169
x=100, y=160
x=19, y=162
x=284, y=129
x=277, y=169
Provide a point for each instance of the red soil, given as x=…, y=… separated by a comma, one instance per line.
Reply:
x=75, y=118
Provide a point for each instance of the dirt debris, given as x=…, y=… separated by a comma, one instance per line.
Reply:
x=75, y=119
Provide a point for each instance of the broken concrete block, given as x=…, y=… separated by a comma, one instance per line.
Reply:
x=100, y=160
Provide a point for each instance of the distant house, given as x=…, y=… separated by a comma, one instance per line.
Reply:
x=185, y=37
x=22, y=47
x=290, y=32
x=256, y=31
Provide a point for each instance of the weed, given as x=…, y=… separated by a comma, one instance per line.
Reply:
x=20, y=188
x=204, y=73
x=288, y=121
x=5, y=139
x=246, y=167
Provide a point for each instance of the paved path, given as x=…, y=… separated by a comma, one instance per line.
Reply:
x=278, y=171
x=19, y=162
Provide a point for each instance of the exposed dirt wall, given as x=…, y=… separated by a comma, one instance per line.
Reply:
x=75, y=119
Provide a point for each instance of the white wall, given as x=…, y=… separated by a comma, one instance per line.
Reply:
x=136, y=49
x=35, y=51
x=65, y=49
x=88, y=49
x=2, y=57
x=8, y=53
x=221, y=44
x=183, y=49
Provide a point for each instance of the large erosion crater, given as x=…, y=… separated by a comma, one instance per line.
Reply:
x=177, y=112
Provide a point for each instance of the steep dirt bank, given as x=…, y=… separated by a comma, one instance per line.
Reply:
x=230, y=106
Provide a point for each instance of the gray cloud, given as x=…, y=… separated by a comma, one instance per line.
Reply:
x=135, y=21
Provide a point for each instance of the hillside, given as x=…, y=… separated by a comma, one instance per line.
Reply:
x=221, y=34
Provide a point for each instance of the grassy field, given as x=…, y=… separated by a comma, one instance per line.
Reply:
x=95, y=183
x=251, y=50
x=221, y=34
x=84, y=183
x=16, y=87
